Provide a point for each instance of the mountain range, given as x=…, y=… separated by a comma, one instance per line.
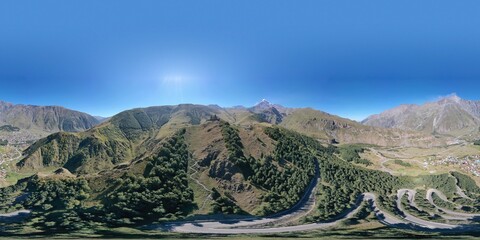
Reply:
x=230, y=149
x=131, y=133
x=449, y=115
x=318, y=124
x=163, y=163
x=404, y=125
x=45, y=119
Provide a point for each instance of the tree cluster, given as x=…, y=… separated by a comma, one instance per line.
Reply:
x=287, y=173
x=235, y=148
x=224, y=204
x=343, y=183
x=351, y=153
x=161, y=193
x=284, y=175
x=467, y=184
x=56, y=194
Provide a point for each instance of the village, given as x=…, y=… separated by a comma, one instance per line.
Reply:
x=14, y=144
x=7, y=154
x=470, y=163
x=21, y=138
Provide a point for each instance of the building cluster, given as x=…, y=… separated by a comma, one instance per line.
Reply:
x=469, y=163
x=3, y=171
x=19, y=138
x=17, y=142
x=7, y=154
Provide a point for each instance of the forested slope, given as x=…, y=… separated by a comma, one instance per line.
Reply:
x=167, y=163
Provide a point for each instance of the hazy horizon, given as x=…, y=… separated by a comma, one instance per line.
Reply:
x=251, y=105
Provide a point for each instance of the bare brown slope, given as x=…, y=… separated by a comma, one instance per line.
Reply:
x=209, y=166
x=123, y=138
x=134, y=133
x=448, y=116
x=45, y=119
x=215, y=170
x=325, y=126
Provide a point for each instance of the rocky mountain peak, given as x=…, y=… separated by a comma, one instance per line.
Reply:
x=263, y=104
x=451, y=98
x=449, y=115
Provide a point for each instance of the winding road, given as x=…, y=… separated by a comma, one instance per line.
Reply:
x=277, y=223
x=383, y=160
x=257, y=225
x=460, y=191
x=233, y=226
x=416, y=220
x=442, y=196
x=14, y=216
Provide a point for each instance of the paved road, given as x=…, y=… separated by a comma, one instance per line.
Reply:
x=411, y=199
x=415, y=220
x=444, y=198
x=235, y=227
x=385, y=218
x=304, y=206
x=462, y=194
x=460, y=191
x=254, y=224
x=14, y=216
x=217, y=227
x=383, y=160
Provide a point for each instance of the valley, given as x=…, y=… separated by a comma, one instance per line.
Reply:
x=413, y=161
x=194, y=169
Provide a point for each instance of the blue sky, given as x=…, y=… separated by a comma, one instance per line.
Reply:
x=350, y=58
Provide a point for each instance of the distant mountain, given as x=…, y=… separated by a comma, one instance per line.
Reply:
x=134, y=133
x=242, y=158
x=449, y=115
x=45, y=119
x=327, y=127
x=101, y=119
x=264, y=111
x=265, y=105
x=242, y=163
x=123, y=137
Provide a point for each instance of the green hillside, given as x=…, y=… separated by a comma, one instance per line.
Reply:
x=152, y=165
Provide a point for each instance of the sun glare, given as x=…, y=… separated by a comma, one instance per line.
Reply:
x=173, y=79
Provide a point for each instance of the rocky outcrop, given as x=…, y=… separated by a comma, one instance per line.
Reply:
x=223, y=169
